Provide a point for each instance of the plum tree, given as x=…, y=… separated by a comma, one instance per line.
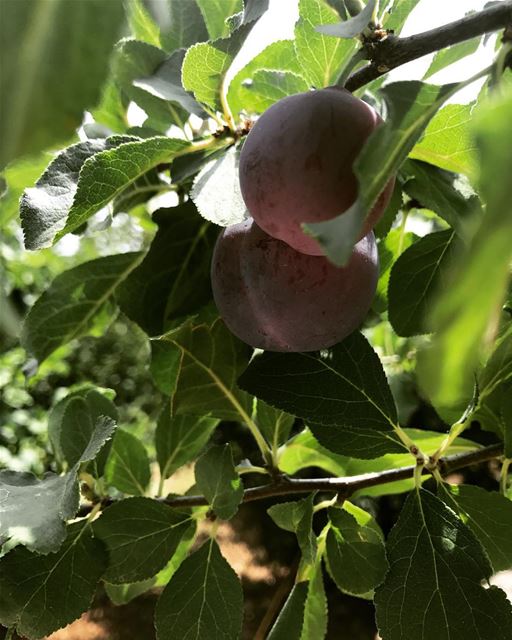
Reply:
x=297, y=163
x=279, y=299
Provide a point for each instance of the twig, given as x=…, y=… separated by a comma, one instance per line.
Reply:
x=344, y=487
x=392, y=51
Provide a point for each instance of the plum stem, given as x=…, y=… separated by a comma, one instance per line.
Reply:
x=391, y=52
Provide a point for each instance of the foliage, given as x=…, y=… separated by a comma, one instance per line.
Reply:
x=117, y=374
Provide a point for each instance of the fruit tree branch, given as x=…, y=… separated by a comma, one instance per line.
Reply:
x=392, y=51
x=344, y=487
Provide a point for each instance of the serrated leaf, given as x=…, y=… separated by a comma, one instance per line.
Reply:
x=489, y=515
x=76, y=301
x=186, y=25
x=321, y=57
x=315, y=610
x=34, y=588
x=267, y=87
x=106, y=174
x=128, y=464
x=357, y=441
x=462, y=320
x=304, y=451
x=297, y=517
x=447, y=142
x=198, y=365
x=140, y=191
x=141, y=23
x=446, y=57
x=411, y=106
x=436, y=567
x=343, y=386
x=173, y=279
x=383, y=226
x=215, y=13
x=275, y=425
x=203, y=598
x=51, y=69
x=397, y=15
x=446, y=193
x=218, y=481
x=141, y=535
x=498, y=367
x=278, y=56
x=355, y=554
x=180, y=439
x=288, y=625
x=44, y=208
x=216, y=190
x=352, y=27
x=416, y=279
x=390, y=249
x=165, y=83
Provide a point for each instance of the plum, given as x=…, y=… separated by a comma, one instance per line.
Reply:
x=279, y=299
x=296, y=164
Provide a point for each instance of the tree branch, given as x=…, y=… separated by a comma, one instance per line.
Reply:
x=344, y=487
x=391, y=52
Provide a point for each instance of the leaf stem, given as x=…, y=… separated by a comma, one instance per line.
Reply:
x=455, y=431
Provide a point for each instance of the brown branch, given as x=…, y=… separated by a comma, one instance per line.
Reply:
x=391, y=52
x=344, y=487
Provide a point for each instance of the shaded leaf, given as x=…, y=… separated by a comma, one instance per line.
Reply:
x=141, y=535
x=215, y=13
x=34, y=588
x=416, y=279
x=203, y=598
x=315, y=609
x=186, y=25
x=218, y=481
x=390, y=249
x=173, y=279
x=352, y=27
x=343, y=386
x=128, y=464
x=180, y=439
x=267, y=87
x=275, y=425
x=76, y=302
x=436, y=567
x=356, y=441
x=297, y=517
x=288, y=625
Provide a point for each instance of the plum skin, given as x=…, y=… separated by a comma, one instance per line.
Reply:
x=278, y=299
x=296, y=164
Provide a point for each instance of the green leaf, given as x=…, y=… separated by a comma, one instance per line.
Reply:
x=304, y=451
x=390, y=249
x=218, y=481
x=448, y=56
x=216, y=190
x=106, y=174
x=446, y=193
x=489, y=515
x=355, y=554
x=278, y=56
x=352, y=27
x=343, y=386
x=315, y=609
x=173, y=280
x=397, y=15
x=477, y=287
x=357, y=441
x=204, y=599
x=498, y=367
x=267, y=87
x=436, y=568
x=44, y=208
x=128, y=464
x=180, y=439
x=76, y=302
x=165, y=83
x=141, y=535
x=215, y=14
x=198, y=365
x=206, y=64
x=52, y=69
x=297, y=517
x=288, y=625
x=383, y=226
x=447, y=142
x=141, y=23
x=321, y=58
x=186, y=25
x=411, y=105
x=416, y=279
x=40, y=594
x=275, y=425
